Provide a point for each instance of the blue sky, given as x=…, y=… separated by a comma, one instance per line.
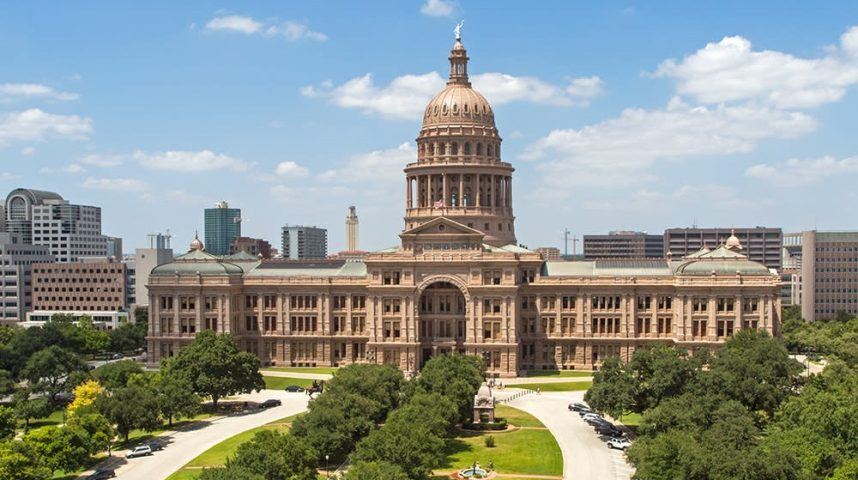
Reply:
x=616, y=115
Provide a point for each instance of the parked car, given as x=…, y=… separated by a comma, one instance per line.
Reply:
x=578, y=406
x=597, y=421
x=619, y=443
x=608, y=429
x=101, y=474
x=586, y=411
x=271, y=402
x=294, y=388
x=140, y=451
x=156, y=446
x=588, y=416
x=117, y=356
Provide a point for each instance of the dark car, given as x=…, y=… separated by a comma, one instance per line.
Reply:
x=117, y=356
x=294, y=388
x=608, y=429
x=101, y=474
x=578, y=406
x=584, y=411
x=271, y=402
x=597, y=421
x=156, y=446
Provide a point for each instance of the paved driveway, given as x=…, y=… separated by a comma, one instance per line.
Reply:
x=184, y=445
x=585, y=454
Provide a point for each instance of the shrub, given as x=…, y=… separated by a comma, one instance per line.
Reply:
x=489, y=441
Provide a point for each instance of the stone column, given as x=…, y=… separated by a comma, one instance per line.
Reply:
x=408, y=202
x=491, y=191
x=477, y=191
x=461, y=190
x=444, y=190
x=711, y=322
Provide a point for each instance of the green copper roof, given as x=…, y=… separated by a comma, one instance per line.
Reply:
x=189, y=267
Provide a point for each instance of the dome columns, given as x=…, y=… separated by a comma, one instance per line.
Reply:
x=463, y=190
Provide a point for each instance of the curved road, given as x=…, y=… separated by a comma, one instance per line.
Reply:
x=184, y=445
x=585, y=455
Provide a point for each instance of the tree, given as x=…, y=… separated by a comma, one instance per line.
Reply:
x=98, y=429
x=7, y=423
x=437, y=413
x=661, y=372
x=406, y=443
x=18, y=462
x=275, y=456
x=335, y=423
x=60, y=448
x=128, y=336
x=374, y=471
x=92, y=340
x=134, y=406
x=28, y=408
x=215, y=367
x=379, y=383
x=7, y=384
x=49, y=369
x=228, y=473
x=84, y=397
x=115, y=374
x=755, y=369
x=456, y=377
x=612, y=390
x=176, y=397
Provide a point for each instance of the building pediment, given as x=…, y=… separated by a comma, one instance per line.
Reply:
x=442, y=227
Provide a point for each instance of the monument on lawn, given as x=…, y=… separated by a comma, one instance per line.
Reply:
x=484, y=405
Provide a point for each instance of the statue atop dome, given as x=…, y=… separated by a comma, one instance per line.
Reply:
x=458, y=30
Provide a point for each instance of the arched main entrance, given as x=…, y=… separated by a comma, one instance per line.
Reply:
x=441, y=320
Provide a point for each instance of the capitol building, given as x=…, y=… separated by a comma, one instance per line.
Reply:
x=458, y=281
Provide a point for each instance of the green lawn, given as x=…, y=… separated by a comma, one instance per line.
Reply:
x=54, y=419
x=217, y=455
x=559, y=373
x=280, y=383
x=325, y=370
x=554, y=387
x=631, y=419
x=528, y=451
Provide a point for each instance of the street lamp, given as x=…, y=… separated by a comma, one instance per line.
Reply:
x=327, y=472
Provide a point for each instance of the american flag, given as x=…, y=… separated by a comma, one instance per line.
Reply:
x=439, y=203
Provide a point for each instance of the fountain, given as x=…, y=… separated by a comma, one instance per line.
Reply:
x=473, y=472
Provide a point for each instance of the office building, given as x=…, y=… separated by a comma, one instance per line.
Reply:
x=222, y=227
x=16, y=260
x=829, y=274
x=114, y=247
x=761, y=244
x=458, y=281
x=791, y=269
x=303, y=242
x=352, y=230
x=623, y=245
x=549, y=253
x=19, y=210
x=255, y=247
x=145, y=259
x=95, y=287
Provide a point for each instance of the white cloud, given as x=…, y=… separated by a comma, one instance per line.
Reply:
x=378, y=165
x=406, y=96
x=115, y=184
x=17, y=91
x=796, y=172
x=438, y=8
x=731, y=71
x=291, y=169
x=290, y=29
x=188, y=198
x=619, y=151
x=28, y=151
x=101, y=160
x=189, y=161
x=71, y=168
x=235, y=23
x=500, y=88
x=295, y=31
x=36, y=125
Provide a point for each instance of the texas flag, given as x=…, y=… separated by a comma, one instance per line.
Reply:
x=439, y=203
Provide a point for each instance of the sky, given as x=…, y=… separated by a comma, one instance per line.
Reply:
x=616, y=115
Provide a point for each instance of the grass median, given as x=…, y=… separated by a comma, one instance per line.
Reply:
x=555, y=387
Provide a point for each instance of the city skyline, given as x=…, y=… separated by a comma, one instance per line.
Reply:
x=235, y=105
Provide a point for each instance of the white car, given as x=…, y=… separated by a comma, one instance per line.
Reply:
x=619, y=443
x=140, y=451
x=593, y=416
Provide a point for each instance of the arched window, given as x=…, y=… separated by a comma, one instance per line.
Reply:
x=454, y=196
x=467, y=201
x=489, y=150
x=467, y=148
x=455, y=148
x=479, y=148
